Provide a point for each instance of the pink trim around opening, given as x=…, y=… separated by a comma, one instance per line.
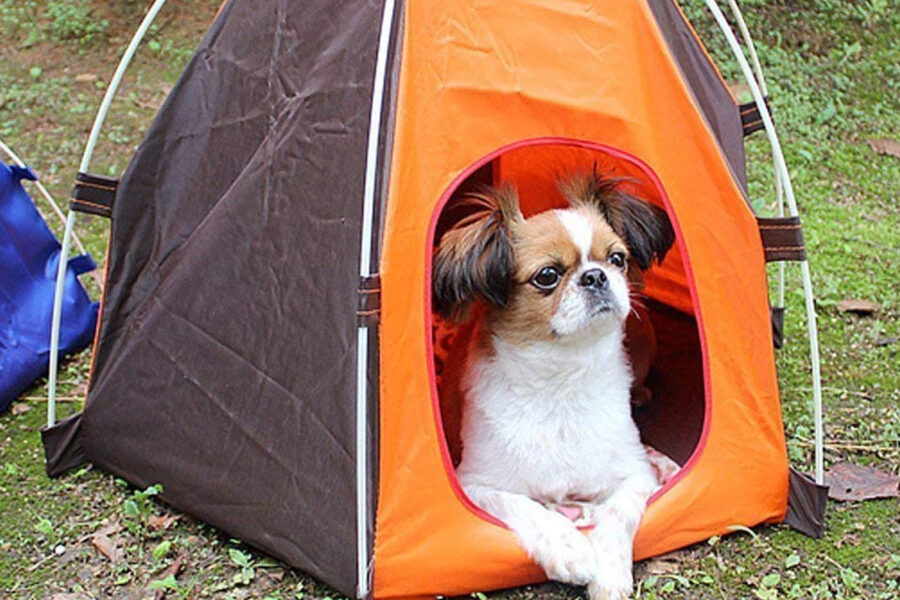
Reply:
x=429, y=321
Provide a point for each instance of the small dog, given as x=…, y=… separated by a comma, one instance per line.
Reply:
x=546, y=425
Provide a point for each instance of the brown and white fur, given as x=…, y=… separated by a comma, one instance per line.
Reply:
x=547, y=415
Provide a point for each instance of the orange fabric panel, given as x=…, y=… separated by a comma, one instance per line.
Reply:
x=478, y=75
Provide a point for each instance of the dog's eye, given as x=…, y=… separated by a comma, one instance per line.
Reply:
x=547, y=278
x=617, y=259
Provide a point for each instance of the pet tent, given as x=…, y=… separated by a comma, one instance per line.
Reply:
x=29, y=253
x=267, y=349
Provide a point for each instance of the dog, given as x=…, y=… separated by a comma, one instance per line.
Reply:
x=549, y=446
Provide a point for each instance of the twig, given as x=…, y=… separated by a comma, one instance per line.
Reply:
x=835, y=445
x=78, y=542
x=44, y=399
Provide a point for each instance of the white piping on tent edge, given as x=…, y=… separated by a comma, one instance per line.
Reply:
x=779, y=185
x=53, y=204
x=363, y=564
x=70, y=220
x=782, y=172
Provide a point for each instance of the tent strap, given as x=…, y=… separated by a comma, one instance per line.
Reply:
x=751, y=118
x=94, y=195
x=782, y=238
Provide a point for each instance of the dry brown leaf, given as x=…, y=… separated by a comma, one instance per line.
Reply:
x=849, y=482
x=662, y=567
x=885, y=146
x=19, y=408
x=161, y=522
x=106, y=547
x=109, y=529
x=174, y=569
x=860, y=307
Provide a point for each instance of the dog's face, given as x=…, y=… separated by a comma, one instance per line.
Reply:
x=558, y=274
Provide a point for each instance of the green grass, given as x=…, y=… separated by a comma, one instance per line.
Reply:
x=833, y=70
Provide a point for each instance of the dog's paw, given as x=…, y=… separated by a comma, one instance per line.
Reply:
x=611, y=584
x=565, y=554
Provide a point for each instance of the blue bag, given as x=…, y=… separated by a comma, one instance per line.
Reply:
x=29, y=255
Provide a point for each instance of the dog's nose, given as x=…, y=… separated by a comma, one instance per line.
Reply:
x=593, y=278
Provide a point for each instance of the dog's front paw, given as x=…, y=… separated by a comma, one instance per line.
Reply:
x=612, y=583
x=564, y=553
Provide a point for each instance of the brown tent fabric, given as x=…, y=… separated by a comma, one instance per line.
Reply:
x=225, y=368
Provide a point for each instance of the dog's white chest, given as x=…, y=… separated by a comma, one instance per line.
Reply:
x=552, y=435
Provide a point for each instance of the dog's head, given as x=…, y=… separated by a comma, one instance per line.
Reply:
x=557, y=274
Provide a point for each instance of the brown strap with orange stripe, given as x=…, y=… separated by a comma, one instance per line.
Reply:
x=782, y=238
x=94, y=195
x=369, y=306
x=751, y=119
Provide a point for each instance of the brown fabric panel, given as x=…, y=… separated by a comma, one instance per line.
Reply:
x=226, y=361
x=710, y=93
x=782, y=238
x=806, y=505
x=94, y=194
x=63, y=449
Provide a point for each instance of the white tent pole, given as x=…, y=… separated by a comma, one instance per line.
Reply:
x=70, y=221
x=362, y=332
x=56, y=209
x=779, y=186
x=781, y=166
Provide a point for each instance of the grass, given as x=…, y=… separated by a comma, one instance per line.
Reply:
x=833, y=69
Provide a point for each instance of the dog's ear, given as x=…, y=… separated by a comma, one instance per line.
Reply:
x=645, y=228
x=475, y=257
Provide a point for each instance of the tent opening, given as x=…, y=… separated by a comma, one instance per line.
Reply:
x=672, y=408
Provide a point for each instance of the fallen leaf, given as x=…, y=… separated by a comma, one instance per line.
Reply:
x=860, y=307
x=662, y=567
x=174, y=569
x=82, y=77
x=19, y=408
x=106, y=547
x=109, y=529
x=161, y=522
x=885, y=146
x=848, y=482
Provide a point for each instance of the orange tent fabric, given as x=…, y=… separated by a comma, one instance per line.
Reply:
x=535, y=83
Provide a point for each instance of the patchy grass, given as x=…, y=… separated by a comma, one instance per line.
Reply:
x=833, y=69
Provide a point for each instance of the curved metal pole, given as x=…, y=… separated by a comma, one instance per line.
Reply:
x=760, y=78
x=70, y=221
x=781, y=167
x=363, y=570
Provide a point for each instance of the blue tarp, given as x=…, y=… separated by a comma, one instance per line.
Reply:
x=29, y=255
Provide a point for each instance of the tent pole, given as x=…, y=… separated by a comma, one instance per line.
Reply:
x=781, y=167
x=70, y=220
x=363, y=573
x=779, y=186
